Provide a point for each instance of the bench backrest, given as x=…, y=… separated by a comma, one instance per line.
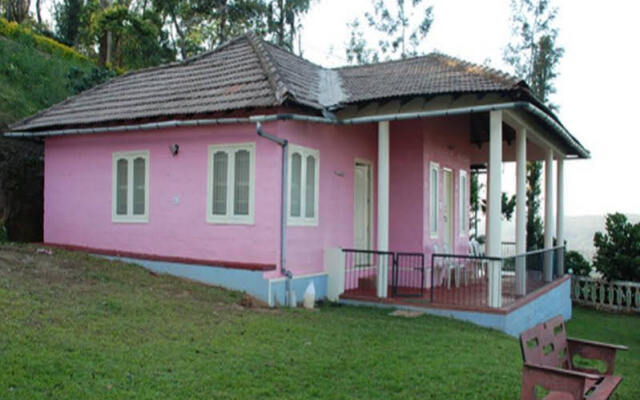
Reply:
x=546, y=344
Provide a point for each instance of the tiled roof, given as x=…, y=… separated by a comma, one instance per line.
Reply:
x=431, y=74
x=247, y=72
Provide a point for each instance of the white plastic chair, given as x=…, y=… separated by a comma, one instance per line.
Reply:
x=451, y=265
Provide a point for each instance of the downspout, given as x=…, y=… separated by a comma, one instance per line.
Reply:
x=283, y=211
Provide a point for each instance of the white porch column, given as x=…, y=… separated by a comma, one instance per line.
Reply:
x=383, y=206
x=560, y=212
x=548, y=215
x=494, y=205
x=521, y=212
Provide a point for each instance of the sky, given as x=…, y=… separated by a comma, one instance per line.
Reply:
x=597, y=86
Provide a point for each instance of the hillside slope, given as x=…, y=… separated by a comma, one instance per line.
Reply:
x=34, y=72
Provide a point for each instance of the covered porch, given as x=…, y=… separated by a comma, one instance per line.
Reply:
x=453, y=274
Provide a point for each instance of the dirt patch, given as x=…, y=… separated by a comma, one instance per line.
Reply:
x=251, y=302
x=406, y=314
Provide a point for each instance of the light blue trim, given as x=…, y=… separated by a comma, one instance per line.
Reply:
x=298, y=285
x=251, y=282
x=555, y=301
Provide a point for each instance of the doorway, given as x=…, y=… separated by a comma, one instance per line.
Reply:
x=363, y=206
x=447, y=208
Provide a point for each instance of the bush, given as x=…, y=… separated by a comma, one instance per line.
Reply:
x=576, y=262
x=47, y=45
x=618, y=250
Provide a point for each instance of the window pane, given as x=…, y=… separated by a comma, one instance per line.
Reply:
x=138, y=186
x=310, y=190
x=121, y=186
x=220, y=165
x=296, y=179
x=241, y=184
x=433, y=209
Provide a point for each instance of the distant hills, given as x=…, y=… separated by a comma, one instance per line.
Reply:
x=579, y=231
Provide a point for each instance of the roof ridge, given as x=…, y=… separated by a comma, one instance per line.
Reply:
x=280, y=90
x=383, y=62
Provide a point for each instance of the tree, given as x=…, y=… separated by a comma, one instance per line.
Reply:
x=576, y=262
x=402, y=33
x=68, y=18
x=16, y=10
x=283, y=20
x=534, y=55
x=618, y=250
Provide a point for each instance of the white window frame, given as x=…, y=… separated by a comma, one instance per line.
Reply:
x=231, y=149
x=129, y=217
x=302, y=220
x=463, y=210
x=434, y=166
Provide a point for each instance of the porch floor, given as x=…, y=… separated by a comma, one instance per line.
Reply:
x=471, y=297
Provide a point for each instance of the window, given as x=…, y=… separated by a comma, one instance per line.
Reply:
x=433, y=199
x=231, y=183
x=303, y=186
x=130, y=187
x=463, y=213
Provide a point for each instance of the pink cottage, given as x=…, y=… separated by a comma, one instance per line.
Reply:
x=251, y=168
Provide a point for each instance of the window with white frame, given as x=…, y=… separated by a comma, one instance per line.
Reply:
x=304, y=166
x=231, y=183
x=433, y=198
x=130, y=190
x=462, y=200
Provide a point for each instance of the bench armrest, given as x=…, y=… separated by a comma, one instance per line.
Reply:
x=565, y=372
x=553, y=379
x=598, y=344
x=594, y=350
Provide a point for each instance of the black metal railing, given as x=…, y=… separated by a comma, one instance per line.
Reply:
x=463, y=280
x=405, y=272
x=361, y=270
x=408, y=275
x=539, y=268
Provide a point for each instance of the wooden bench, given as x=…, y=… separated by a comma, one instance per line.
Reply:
x=548, y=357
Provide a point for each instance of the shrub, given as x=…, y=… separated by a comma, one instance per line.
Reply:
x=576, y=262
x=24, y=35
x=618, y=250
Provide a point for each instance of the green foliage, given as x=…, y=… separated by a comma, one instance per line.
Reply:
x=25, y=36
x=109, y=330
x=32, y=79
x=4, y=234
x=618, y=250
x=79, y=80
x=401, y=36
x=534, y=56
x=534, y=53
x=283, y=20
x=576, y=262
x=535, y=228
x=68, y=17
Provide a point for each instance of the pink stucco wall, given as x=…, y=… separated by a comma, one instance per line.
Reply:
x=414, y=145
x=78, y=177
x=78, y=183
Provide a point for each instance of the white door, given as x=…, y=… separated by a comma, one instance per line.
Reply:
x=362, y=205
x=447, y=209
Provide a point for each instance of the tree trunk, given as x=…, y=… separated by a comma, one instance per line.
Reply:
x=281, y=23
x=38, y=15
x=222, y=25
x=182, y=42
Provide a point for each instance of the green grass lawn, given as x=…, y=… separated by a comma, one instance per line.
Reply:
x=75, y=326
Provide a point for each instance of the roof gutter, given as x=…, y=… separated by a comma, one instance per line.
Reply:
x=536, y=111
